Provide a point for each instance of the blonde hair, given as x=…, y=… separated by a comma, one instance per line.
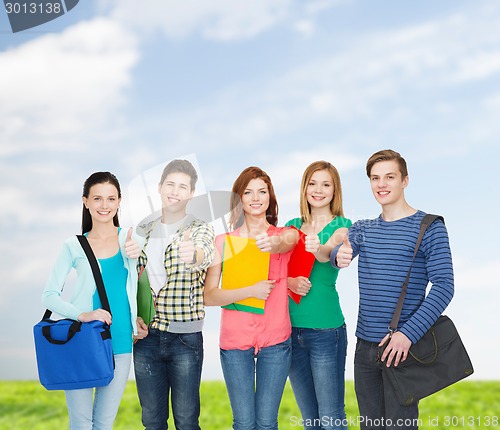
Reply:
x=336, y=203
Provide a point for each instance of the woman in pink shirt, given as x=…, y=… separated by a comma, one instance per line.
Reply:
x=255, y=349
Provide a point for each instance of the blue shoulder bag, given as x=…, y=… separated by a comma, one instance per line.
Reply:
x=72, y=354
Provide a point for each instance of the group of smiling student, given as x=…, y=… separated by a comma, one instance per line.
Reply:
x=180, y=258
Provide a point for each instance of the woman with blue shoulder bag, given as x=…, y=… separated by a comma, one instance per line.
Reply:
x=116, y=251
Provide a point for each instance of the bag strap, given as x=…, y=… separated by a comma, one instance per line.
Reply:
x=95, y=271
x=427, y=220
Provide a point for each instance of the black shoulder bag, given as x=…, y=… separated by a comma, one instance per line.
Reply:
x=437, y=360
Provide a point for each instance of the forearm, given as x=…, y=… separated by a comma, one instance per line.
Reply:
x=439, y=269
x=53, y=301
x=204, y=242
x=220, y=297
x=51, y=296
x=323, y=254
x=333, y=256
x=285, y=242
x=428, y=312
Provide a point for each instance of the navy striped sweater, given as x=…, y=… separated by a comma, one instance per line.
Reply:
x=385, y=250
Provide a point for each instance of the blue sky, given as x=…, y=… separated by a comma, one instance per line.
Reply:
x=126, y=86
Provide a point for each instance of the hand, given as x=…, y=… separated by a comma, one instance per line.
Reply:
x=344, y=254
x=131, y=247
x=262, y=289
x=142, y=329
x=264, y=242
x=312, y=242
x=97, y=315
x=299, y=285
x=396, y=350
x=187, y=248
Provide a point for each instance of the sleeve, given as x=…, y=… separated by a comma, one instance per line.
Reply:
x=137, y=236
x=219, y=242
x=356, y=238
x=296, y=222
x=439, y=267
x=346, y=223
x=203, y=237
x=51, y=296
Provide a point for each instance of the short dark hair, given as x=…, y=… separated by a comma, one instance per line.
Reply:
x=387, y=155
x=180, y=166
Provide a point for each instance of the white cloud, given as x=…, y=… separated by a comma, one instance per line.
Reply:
x=493, y=102
x=314, y=7
x=478, y=66
x=222, y=20
x=388, y=80
x=58, y=86
x=306, y=27
x=476, y=275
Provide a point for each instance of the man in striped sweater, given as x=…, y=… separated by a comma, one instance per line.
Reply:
x=385, y=248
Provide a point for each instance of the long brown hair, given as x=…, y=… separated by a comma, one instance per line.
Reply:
x=237, y=216
x=336, y=203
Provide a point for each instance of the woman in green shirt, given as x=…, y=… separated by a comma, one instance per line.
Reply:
x=319, y=336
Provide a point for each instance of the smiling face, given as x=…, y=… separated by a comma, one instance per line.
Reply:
x=387, y=182
x=102, y=202
x=175, y=192
x=255, y=198
x=320, y=191
x=250, y=178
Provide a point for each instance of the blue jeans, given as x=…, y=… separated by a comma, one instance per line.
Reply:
x=378, y=405
x=169, y=363
x=96, y=408
x=317, y=376
x=255, y=384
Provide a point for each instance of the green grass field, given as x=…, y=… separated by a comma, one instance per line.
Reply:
x=466, y=405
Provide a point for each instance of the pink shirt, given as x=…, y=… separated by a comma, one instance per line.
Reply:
x=245, y=330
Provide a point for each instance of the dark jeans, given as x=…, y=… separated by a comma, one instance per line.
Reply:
x=169, y=363
x=378, y=406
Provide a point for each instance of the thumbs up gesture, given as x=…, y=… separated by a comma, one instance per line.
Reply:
x=187, y=250
x=344, y=254
x=263, y=242
x=131, y=247
x=312, y=242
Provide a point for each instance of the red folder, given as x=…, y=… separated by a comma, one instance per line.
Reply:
x=300, y=264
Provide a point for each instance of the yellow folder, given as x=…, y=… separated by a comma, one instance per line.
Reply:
x=244, y=264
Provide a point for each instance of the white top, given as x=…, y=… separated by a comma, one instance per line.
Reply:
x=161, y=237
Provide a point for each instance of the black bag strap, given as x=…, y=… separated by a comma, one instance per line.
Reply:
x=74, y=328
x=427, y=220
x=95, y=271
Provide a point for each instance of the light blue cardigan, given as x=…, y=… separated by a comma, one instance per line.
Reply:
x=72, y=256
